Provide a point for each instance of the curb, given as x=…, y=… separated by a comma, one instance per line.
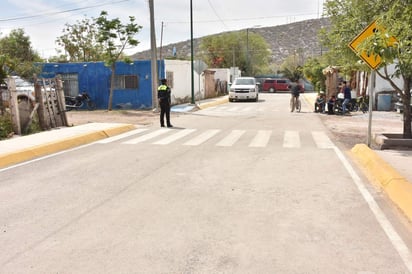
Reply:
x=310, y=98
x=213, y=103
x=63, y=144
x=397, y=187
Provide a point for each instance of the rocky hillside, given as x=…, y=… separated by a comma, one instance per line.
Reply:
x=284, y=40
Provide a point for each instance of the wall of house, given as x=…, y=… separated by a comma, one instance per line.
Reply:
x=182, y=82
x=94, y=78
x=382, y=85
x=134, y=98
x=222, y=80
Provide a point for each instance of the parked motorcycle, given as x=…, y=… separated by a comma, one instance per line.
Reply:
x=351, y=106
x=78, y=101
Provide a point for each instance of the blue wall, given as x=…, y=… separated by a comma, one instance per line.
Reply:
x=94, y=78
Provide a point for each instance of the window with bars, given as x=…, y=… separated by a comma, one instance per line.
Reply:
x=126, y=82
x=70, y=84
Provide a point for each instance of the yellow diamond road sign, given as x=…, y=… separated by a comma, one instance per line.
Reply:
x=372, y=60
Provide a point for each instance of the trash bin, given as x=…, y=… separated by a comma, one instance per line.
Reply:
x=384, y=102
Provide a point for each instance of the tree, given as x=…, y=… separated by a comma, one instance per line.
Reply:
x=99, y=39
x=17, y=55
x=349, y=17
x=114, y=37
x=246, y=50
x=293, y=74
x=80, y=41
x=312, y=70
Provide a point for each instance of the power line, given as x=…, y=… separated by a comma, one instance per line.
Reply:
x=243, y=19
x=217, y=15
x=58, y=12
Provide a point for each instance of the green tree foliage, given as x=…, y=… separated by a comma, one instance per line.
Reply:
x=80, y=42
x=114, y=38
x=16, y=55
x=100, y=39
x=292, y=68
x=350, y=17
x=245, y=49
x=293, y=74
x=312, y=70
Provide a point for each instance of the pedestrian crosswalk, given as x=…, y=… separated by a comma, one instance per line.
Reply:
x=232, y=110
x=288, y=139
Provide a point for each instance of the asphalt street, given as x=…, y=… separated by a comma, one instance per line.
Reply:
x=233, y=188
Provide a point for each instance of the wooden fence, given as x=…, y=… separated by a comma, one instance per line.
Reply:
x=48, y=103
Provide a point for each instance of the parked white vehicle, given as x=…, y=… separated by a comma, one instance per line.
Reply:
x=244, y=88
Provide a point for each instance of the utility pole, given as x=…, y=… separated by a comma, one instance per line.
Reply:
x=154, y=56
x=247, y=52
x=191, y=53
x=161, y=47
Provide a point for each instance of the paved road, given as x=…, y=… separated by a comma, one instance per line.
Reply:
x=238, y=188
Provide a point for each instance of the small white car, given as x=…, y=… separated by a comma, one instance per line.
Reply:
x=244, y=88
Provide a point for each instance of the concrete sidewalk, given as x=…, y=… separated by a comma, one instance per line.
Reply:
x=23, y=148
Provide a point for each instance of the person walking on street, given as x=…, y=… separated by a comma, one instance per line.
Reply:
x=347, y=96
x=163, y=95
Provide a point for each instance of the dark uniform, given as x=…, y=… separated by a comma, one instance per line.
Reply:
x=295, y=89
x=163, y=94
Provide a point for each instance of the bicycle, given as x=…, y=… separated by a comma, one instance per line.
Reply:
x=295, y=104
x=363, y=103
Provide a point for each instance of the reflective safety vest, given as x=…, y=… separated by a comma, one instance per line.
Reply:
x=162, y=91
x=162, y=88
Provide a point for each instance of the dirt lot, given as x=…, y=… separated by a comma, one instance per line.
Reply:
x=136, y=117
x=348, y=130
x=353, y=129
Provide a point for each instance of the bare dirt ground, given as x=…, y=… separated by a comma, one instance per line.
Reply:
x=135, y=117
x=348, y=130
x=353, y=129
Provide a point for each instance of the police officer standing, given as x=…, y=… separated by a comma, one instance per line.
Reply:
x=163, y=94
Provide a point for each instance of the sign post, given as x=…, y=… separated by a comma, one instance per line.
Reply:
x=373, y=61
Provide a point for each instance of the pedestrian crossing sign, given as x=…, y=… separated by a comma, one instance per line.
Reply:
x=372, y=60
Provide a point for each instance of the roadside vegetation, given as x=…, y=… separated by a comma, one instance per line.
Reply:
x=351, y=17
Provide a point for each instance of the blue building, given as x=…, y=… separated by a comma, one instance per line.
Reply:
x=133, y=82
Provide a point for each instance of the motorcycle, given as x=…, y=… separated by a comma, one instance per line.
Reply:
x=350, y=107
x=78, y=101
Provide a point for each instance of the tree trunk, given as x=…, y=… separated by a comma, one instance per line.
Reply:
x=407, y=131
x=113, y=68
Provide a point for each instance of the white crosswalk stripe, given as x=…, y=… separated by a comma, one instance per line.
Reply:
x=123, y=135
x=256, y=139
x=174, y=137
x=261, y=138
x=291, y=139
x=322, y=140
x=231, y=139
x=148, y=136
x=202, y=137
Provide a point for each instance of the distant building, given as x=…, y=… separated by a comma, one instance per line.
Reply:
x=133, y=82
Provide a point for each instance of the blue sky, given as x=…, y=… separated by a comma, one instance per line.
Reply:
x=43, y=20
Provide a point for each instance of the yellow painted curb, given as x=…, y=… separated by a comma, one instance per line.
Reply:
x=63, y=144
x=213, y=103
x=310, y=98
x=397, y=187
x=118, y=130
